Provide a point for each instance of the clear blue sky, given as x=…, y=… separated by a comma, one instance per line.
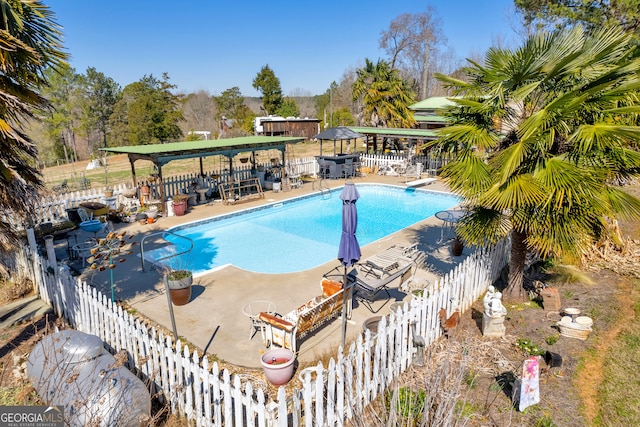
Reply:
x=215, y=45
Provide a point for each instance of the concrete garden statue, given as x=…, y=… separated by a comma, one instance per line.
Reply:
x=494, y=315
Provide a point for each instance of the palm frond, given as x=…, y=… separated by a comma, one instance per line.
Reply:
x=623, y=204
x=468, y=176
x=520, y=190
x=482, y=226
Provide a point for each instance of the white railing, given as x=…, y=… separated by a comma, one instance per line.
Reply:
x=208, y=397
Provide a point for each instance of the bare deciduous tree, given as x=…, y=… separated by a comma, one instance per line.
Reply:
x=410, y=41
x=199, y=112
x=304, y=100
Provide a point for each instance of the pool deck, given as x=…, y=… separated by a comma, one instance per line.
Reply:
x=213, y=320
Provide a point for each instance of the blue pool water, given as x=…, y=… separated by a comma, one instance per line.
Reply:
x=299, y=234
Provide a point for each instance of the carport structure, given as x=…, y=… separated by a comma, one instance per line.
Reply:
x=161, y=154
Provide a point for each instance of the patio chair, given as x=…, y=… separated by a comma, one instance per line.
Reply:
x=95, y=226
x=253, y=310
x=323, y=167
x=373, y=277
x=84, y=215
x=62, y=188
x=348, y=170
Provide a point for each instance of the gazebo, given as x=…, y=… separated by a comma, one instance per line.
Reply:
x=338, y=133
x=161, y=154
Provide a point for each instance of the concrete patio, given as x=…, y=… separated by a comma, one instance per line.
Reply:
x=214, y=321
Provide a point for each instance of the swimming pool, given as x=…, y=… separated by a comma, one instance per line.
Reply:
x=301, y=233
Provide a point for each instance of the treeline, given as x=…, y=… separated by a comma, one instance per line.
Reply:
x=90, y=110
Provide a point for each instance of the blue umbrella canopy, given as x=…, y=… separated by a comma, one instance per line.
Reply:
x=349, y=251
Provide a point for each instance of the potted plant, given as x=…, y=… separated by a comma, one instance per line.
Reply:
x=152, y=213
x=457, y=246
x=141, y=215
x=179, y=282
x=277, y=364
x=108, y=191
x=180, y=204
x=145, y=190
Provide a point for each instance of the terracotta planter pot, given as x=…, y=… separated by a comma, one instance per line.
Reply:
x=180, y=296
x=277, y=364
x=180, y=290
x=180, y=208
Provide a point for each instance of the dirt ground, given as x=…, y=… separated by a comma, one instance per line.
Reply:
x=491, y=364
x=568, y=394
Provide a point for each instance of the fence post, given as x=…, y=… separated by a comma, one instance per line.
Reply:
x=51, y=252
x=31, y=238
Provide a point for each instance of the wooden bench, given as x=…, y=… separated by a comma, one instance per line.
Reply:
x=287, y=330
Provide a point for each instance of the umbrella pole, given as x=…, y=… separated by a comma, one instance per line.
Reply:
x=344, y=307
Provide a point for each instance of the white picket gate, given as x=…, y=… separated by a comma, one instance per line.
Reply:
x=209, y=397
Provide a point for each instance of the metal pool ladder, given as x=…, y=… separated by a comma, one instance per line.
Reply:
x=326, y=191
x=170, y=255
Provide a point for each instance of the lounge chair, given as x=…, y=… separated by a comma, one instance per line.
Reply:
x=374, y=276
x=388, y=259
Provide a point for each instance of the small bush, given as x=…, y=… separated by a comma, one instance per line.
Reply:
x=409, y=404
x=529, y=348
x=552, y=339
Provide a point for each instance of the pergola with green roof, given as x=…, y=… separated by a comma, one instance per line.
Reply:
x=161, y=154
x=395, y=133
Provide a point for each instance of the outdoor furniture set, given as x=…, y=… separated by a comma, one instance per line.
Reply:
x=339, y=166
x=285, y=331
x=369, y=278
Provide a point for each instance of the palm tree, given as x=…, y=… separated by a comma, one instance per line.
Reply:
x=385, y=95
x=30, y=42
x=541, y=133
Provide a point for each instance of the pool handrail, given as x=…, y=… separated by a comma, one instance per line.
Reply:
x=168, y=256
x=320, y=182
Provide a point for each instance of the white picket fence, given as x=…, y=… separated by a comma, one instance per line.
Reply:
x=430, y=163
x=53, y=208
x=194, y=387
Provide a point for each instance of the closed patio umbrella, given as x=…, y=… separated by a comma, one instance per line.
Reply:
x=349, y=250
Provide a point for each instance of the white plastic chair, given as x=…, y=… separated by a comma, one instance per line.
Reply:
x=253, y=310
x=84, y=215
